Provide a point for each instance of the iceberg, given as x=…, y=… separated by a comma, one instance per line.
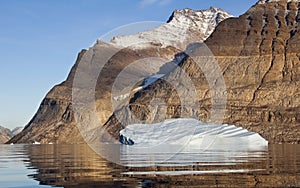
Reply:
x=188, y=142
x=192, y=133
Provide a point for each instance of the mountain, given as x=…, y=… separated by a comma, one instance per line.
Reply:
x=16, y=130
x=258, y=55
x=55, y=122
x=5, y=135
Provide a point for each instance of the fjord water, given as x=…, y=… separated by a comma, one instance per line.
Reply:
x=79, y=166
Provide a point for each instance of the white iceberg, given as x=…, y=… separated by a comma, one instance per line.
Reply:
x=187, y=141
x=194, y=134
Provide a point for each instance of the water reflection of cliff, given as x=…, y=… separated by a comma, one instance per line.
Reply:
x=79, y=166
x=69, y=165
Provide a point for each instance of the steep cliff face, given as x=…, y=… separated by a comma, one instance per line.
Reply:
x=258, y=54
x=261, y=69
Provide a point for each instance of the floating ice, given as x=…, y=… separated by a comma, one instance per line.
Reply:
x=35, y=142
x=187, y=141
x=194, y=134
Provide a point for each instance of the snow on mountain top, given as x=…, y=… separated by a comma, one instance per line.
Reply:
x=183, y=27
x=199, y=20
x=195, y=14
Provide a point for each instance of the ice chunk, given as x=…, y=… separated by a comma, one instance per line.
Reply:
x=186, y=142
x=194, y=134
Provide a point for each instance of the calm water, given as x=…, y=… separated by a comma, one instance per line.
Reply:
x=79, y=166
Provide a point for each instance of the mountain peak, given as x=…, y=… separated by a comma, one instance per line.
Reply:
x=183, y=27
x=192, y=14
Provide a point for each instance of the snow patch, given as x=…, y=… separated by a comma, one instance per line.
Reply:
x=152, y=79
x=146, y=83
x=121, y=97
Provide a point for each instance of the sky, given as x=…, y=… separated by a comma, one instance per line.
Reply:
x=40, y=39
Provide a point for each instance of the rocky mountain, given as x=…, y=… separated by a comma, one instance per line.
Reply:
x=55, y=122
x=6, y=134
x=257, y=54
x=259, y=66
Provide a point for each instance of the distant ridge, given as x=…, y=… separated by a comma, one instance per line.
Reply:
x=6, y=134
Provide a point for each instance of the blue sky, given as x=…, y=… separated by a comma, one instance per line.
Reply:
x=40, y=39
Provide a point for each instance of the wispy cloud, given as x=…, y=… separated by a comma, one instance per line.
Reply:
x=145, y=3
